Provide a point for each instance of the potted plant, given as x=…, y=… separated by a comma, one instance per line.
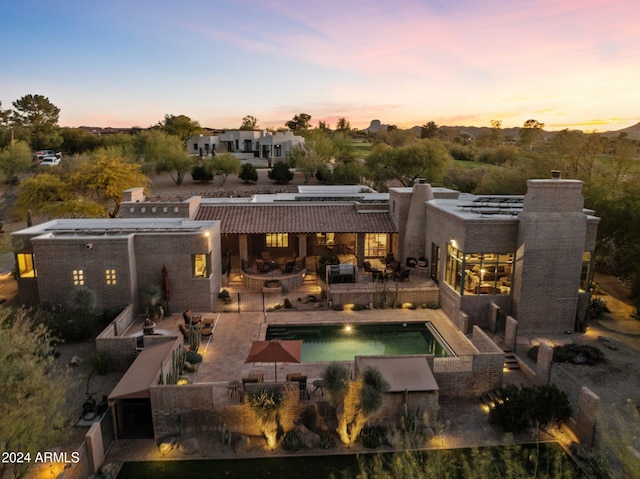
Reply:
x=154, y=309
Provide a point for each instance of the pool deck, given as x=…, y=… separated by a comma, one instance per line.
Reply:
x=225, y=351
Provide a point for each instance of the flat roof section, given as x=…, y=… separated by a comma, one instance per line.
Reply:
x=403, y=373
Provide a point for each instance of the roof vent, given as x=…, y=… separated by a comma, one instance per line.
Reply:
x=556, y=174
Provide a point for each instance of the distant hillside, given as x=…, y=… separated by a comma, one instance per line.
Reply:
x=474, y=131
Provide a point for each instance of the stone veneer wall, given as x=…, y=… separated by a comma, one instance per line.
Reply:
x=195, y=405
x=469, y=376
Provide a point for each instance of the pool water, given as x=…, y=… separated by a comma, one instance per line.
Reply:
x=343, y=342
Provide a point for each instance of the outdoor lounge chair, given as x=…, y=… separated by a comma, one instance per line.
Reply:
x=289, y=266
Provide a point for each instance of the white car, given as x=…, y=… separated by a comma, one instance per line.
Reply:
x=50, y=161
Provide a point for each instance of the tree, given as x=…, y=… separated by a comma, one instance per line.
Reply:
x=429, y=130
x=248, y=173
x=107, y=178
x=77, y=140
x=421, y=159
x=166, y=152
x=32, y=403
x=530, y=131
x=305, y=158
x=39, y=117
x=299, y=122
x=343, y=126
x=280, y=173
x=249, y=123
x=14, y=158
x=180, y=126
x=225, y=164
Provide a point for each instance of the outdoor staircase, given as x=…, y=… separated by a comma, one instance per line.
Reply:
x=510, y=361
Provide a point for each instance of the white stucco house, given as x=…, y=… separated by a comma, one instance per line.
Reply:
x=246, y=145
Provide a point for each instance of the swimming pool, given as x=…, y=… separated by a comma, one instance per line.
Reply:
x=342, y=342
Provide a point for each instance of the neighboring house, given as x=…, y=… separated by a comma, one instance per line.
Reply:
x=529, y=255
x=246, y=145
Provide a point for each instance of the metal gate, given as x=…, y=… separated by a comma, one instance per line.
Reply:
x=134, y=419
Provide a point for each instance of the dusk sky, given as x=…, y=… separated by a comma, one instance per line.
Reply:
x=565, y=63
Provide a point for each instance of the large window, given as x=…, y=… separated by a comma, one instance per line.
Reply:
x=201, y=265
x=247, y=146
x=375, y=245
x=277, y=150
x=587, y=273
x=277, y=240
x=26, y=265
x=478, y=273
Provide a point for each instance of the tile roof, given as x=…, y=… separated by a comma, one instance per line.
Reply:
x=274, y=218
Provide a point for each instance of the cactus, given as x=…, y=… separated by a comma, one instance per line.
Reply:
x=195, y=333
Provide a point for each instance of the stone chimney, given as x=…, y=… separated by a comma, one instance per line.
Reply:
x=414, y=233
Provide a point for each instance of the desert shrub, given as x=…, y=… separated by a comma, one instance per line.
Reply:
x=248, y=173
x=373, y=436
x=551, y=405
x=100, y=362
x=202, y=173
x=291, y=441
x=193, y=357
x=578, y=353
x=327, y=441
x=597, y=306
x=514, y=410
x=520, y=407
x=280, y=173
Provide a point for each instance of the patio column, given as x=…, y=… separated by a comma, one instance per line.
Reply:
x=302, y=245
x=244, y=248
x=360, y=249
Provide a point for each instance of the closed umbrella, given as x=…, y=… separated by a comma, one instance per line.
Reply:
x=275, y=351
x=166, y=287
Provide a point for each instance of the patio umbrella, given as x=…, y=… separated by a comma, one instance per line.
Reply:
x=275, y=351
x=166, y=287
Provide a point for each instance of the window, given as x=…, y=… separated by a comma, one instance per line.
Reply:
x=201, y=265
x=325, y=238
x=453, y=269
x=478, y=273
x=78, y=277
x=435, y=262
x=277, y=240
x=277, y=150
x=26, y=265
x=247, y=146
x=195, y=147
x=110, y=276
x=375, y=245
x=586, y=274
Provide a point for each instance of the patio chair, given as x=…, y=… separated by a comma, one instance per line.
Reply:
x=401, y=275
x=378, y=275
x=262, y=267
x=189, y=317
x=394, y=266
x=289, y=266
x=266, y=257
